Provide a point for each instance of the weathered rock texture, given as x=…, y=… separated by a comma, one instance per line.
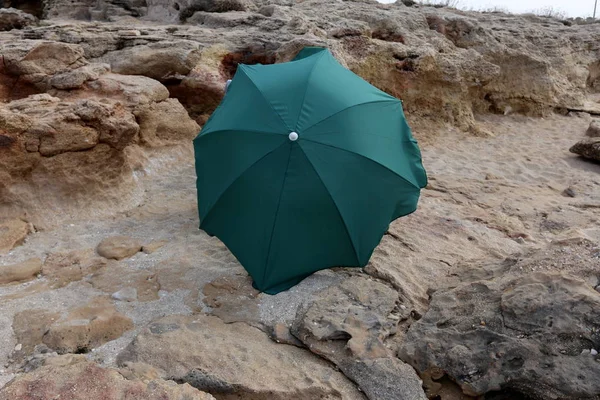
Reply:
x=588, y=148
x=11, y=18
x=85, y=380
x=347, y=324
x=74, y=132
x=533, y=334
x=250, y=365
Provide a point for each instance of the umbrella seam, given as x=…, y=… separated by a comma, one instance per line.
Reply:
x=267, y=100
x=393, y=100
x=367, y=158
x=276, y=214
x=306, y=89
x=235, y=180
x=335, y=205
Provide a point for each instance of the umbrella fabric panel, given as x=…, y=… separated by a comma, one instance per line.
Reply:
x=221, y=157
x=244, y=216
x=244, y=107
x=285, y=87
x=309, y=232
x=377, y=131
x=331, y=88
x=280, y=221
x=366, y=194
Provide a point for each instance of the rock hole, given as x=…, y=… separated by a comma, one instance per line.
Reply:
x=176, y=6
x=507, y=394
x=248, y=56
x=82, y=350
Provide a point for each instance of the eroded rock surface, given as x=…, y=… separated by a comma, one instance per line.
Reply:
x=187, y=349
x=85, y=380
x=533, y=334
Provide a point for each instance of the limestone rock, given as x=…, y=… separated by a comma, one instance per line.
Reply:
x=588, y=148
x=12, y=234
x=188, y=349
x=594, y=129
x=11, y=18
x=160, y=61
x=63, y=268
x=347, y=324
x=87, y=327
x=525, y=334
x=118, y=247
x=85, y=380
x=165, y=123
x=23, y=271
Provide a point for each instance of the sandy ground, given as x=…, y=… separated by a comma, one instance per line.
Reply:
x=488, y=198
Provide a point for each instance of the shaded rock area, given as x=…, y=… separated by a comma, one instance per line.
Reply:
x=533, y=334
x=85, y=380
x=11, y=18
x=252, y=366
x=588, y=148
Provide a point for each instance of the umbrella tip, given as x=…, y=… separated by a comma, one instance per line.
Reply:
x=293, y=136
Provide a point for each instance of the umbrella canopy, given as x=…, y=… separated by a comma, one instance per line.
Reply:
x=302, y=167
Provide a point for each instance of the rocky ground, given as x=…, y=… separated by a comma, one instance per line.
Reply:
x=109, y=290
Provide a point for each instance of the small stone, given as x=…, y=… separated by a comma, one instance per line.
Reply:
x=594, y=352
x=18, y=347
x=520, y=240
x=569, y=192
x=20, y=272
x=126, y=294
x=118, y=247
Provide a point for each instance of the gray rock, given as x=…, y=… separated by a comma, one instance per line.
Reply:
x=347, y=324
x=594, y=129
x=534, y=330
x=588, y=148
x=126, y=294
x=11, y=18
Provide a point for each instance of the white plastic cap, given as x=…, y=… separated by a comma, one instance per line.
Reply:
x=293, y=136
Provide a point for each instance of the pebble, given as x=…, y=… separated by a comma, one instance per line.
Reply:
x=18, y=347
x=126, y=294
x=593, y=352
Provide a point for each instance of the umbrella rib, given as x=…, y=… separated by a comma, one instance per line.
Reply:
x=236, y=179
x=367, y=158
x=347, y=108
x=268, y=102
x=276, y=214
x=307, y=85
x=335, y=205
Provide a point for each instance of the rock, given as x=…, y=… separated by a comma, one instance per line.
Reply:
x=87, y=327
x=570, y=192
x=233, y=299
x=11, y=18
x=161, y=61
x=152, y=247
x=165, y=123
x=118, y=247
x=75, y=79
x=63, y=268
x=536, y=328
x=281, y=334
x=588, y=148
x=12, y=234
x=29, y=327
x=121, y=277
x=593, y=352
x=127, y=294
x=20, y=272
x=250, y=365
x=85, y=380
x=347, y=324
x=594, y=129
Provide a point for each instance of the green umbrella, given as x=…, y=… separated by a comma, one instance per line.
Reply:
x=302, y=167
